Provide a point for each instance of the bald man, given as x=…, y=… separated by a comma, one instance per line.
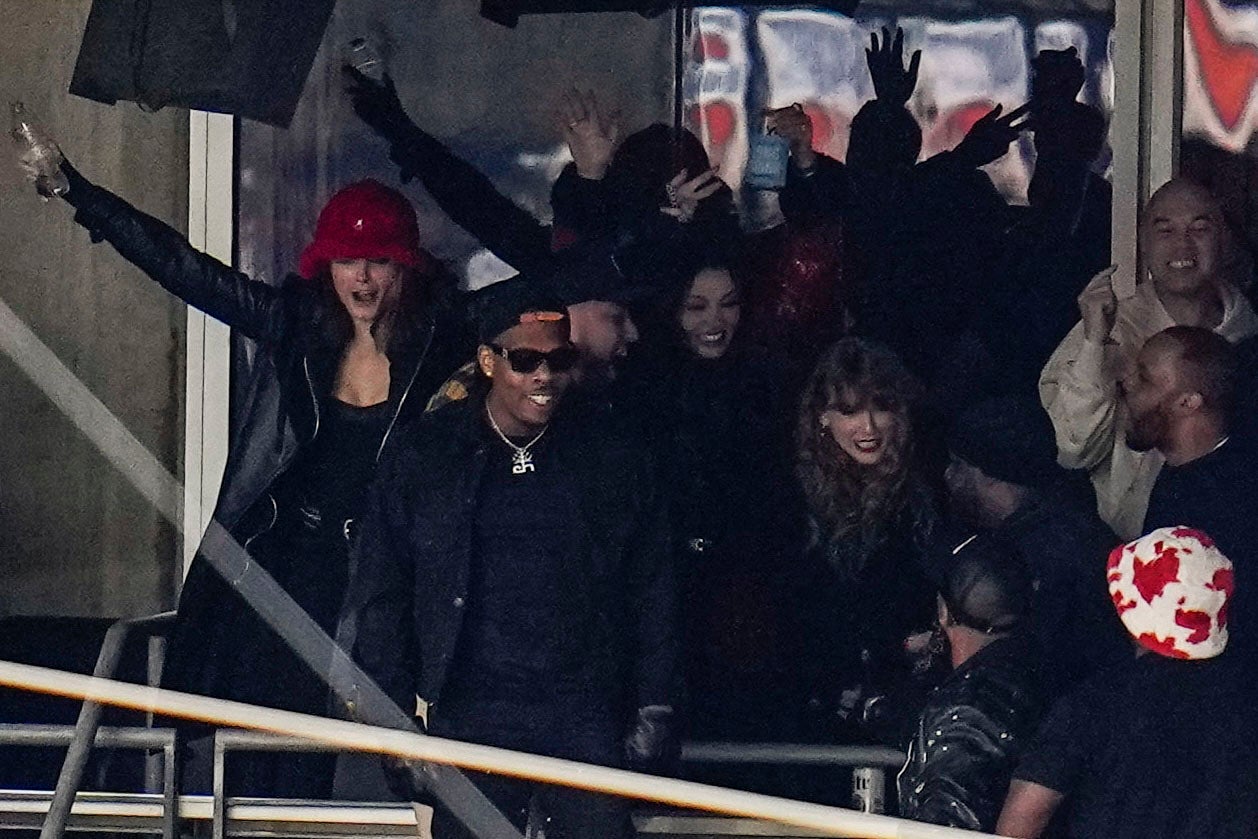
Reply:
x=1182, y=238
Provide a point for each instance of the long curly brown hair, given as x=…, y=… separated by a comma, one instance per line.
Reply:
x=846, y=498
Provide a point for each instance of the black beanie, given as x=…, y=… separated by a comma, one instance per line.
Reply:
x=1010, y=440
x=506, y=303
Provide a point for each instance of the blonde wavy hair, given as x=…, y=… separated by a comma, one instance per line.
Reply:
x=848, y=499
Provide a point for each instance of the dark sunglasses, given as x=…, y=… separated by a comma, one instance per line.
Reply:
x=525, y=360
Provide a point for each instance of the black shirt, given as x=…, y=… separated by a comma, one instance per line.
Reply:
x=530, y=627
x=1218, y=493
x=1151, y=749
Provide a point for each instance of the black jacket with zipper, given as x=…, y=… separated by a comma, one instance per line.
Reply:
x=414, y=558
x=293, y=376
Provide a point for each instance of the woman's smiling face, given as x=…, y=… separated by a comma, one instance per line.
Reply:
x=710, y=313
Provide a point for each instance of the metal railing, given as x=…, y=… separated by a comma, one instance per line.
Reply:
x=85, y=729
x=104, y=738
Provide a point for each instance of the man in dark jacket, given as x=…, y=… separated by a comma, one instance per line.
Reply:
x=975, y=725
x=1003, y=480
x=516, y=574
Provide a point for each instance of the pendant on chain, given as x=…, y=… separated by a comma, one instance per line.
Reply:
x=522, y=462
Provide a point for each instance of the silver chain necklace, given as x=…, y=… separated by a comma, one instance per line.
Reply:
x=521, y=458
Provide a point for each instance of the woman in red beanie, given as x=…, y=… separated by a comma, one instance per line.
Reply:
x=352, y=347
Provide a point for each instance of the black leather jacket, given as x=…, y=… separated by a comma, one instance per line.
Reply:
x=414, y=558
x=294, y=375
x=969, y=737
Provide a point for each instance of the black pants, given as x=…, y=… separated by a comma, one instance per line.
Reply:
x=569, y=728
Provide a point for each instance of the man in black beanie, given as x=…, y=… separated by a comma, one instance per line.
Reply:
x=521, y=584
x=1003, y=480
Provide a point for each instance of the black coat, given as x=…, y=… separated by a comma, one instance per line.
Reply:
x=969, y=737
x=294, y=375
x=414, y=558
x=855, y=615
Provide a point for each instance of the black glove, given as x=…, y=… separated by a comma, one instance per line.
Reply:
x=652, y=743
x=377, y=104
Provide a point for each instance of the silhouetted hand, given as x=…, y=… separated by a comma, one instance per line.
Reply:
x=892, y=82
x=684, y=195
x=793, y=125
x=989, y=138
x=377, y=103
x=1057, y=76
x=590, y=137
x=652, y=742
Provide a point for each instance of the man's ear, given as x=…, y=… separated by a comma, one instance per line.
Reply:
x=941, y=611
x=1191, y=401
x=485, y=359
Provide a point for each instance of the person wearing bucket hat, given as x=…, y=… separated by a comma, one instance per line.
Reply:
x=518, y=572
x=1163, y=745
x=348, y=349
x=1003, y=482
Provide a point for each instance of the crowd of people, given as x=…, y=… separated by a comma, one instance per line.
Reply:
x=944, y=488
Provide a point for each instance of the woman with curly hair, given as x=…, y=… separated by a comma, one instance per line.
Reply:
x=865, y=582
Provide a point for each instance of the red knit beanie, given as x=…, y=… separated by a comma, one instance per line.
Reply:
x=365, y=220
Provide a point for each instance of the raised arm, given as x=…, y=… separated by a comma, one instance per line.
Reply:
x=461, y=191
x=1080, y=398
x=157, y=249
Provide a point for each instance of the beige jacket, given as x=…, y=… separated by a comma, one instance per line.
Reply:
x=1079, y=389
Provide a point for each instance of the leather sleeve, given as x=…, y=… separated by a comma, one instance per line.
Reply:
x=160, y=251
x=472, y=201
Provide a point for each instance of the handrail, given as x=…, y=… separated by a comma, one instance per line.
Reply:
x=795, y=754
x=71, y=775
x=417, y=747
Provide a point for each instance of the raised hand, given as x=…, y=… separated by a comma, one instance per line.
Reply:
x=989, y=138
x=1098, y=307
x=590, y=136
x=892, y=82
x=377, y=103
x=793, y=125
x=684, y=195
x=1057, y=76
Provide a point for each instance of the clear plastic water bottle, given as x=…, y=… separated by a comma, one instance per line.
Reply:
x=37, y=153
x=363, y=56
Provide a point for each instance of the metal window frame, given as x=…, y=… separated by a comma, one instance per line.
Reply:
x=1148, y=115
x=211, y=228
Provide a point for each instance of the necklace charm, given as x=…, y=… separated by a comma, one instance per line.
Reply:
x=521, y=457
x=521, y=462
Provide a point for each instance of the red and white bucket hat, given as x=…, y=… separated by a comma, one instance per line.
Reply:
x=1172, y=589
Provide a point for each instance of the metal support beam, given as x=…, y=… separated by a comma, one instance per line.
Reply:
x=1148, y=61
x=211, y=228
